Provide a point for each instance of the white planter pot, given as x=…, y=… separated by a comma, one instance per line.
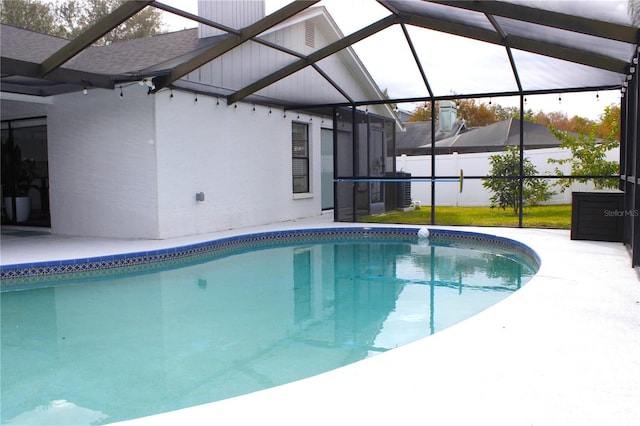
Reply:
x=23, y=208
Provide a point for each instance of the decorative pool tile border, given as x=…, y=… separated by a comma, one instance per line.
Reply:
x=28, y=275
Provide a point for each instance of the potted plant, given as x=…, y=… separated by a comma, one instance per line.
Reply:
x=17, y=175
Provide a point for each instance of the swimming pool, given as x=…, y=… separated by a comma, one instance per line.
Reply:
x=177, y=330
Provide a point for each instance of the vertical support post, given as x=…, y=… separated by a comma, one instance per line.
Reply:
x=336, y=205
x=521, y=174
x=633, y=109
x=354, y=171
x=626, y=170
x=368, y=162
x=433, y=161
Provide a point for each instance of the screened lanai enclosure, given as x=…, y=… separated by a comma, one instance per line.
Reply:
x=421, y=52
x=364, y=163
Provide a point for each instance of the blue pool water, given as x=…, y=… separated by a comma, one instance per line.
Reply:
x=113, y=347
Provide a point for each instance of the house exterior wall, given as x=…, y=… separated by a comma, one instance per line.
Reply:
x=236, y=14
x=477, y=164
x=132, y=168
x=102, y=164
x=239, y=158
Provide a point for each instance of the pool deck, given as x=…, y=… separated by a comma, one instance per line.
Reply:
x=563, y=350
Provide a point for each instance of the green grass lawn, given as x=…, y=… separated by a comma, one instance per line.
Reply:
x=555, y=216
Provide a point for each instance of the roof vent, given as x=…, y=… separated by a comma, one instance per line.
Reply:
x=448, y=116
x=309, y=34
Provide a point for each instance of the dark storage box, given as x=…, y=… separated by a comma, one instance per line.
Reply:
x=597, y=216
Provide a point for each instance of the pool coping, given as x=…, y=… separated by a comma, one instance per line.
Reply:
x=22, y=276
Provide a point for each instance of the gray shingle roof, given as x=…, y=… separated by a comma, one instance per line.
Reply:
x=418, y=134
x=133, y=56
x=29, y=46
x=23, y=51
x=494, y=137
x=124, y=57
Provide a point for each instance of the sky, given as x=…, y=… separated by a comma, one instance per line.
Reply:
x=396, y=71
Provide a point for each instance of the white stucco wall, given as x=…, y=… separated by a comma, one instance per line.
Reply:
x=102, y=164
x=132, y=170
x=239, y=158
x=477, y=164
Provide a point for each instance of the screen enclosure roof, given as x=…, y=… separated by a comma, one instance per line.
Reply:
x=418, y=49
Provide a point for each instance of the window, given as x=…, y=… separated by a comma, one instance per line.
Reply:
x=300, y=157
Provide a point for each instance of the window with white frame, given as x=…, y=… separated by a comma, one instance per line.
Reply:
x=300, y=157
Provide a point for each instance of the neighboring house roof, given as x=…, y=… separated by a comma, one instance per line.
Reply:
x=417, y=134
x=404, y=115
x=494, y=137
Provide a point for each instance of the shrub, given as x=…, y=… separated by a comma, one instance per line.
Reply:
x=506, y=188
x=588, y=158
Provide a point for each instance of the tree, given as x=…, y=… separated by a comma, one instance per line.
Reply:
x=502, y=113
x=506, y=189
x=68, y=19
x=483, y=114
x=588, y=157
x=77, y=15
x=29, y=14
x=473, y=113
x=422, y=112
x=609, y=127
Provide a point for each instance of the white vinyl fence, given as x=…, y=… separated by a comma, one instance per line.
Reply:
x=477, y=164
